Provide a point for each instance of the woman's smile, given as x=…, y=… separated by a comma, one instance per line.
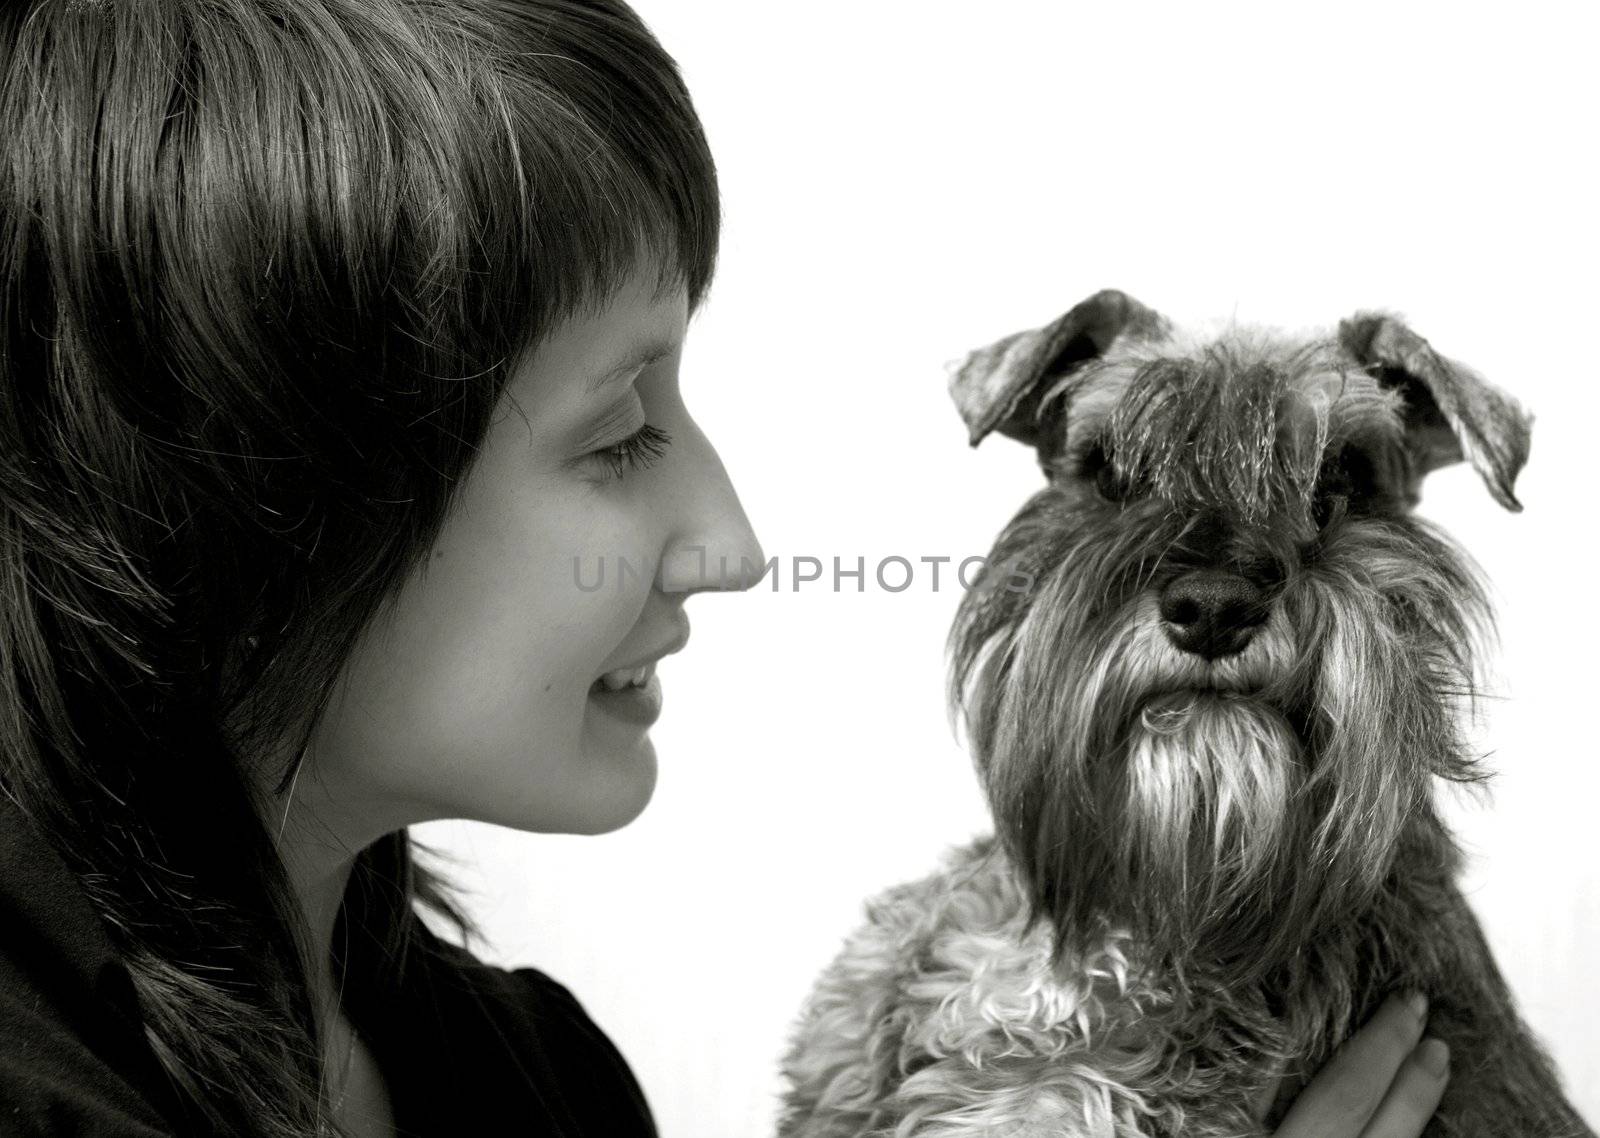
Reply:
x=632, y=691
x=634, y=703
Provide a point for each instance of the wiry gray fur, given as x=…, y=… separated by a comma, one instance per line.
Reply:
x=1207, y=872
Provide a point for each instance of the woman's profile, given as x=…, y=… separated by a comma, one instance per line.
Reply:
x=334, y=337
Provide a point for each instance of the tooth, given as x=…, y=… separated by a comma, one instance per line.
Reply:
x=639, y=675
x=614, y=681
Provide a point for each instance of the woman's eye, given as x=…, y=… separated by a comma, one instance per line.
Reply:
x=637, y=451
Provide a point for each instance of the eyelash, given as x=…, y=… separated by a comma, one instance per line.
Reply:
x=637, y=451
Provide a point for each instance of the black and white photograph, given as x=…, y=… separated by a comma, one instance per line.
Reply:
x=715, y=569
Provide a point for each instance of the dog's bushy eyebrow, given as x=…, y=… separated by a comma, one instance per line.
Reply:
x=1240, y=422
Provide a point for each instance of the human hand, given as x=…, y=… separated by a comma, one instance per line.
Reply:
x=1380, y=1084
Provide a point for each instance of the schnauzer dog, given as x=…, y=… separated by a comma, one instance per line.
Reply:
x=1209, y=732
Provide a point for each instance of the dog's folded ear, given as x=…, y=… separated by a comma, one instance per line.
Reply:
x=999, y=387
x=1452, y=412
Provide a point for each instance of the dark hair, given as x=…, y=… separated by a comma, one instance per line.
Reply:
x=265, y=268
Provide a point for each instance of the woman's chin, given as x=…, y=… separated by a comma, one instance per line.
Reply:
x=616, y=784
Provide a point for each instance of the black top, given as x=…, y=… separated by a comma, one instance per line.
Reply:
x=465, y=1048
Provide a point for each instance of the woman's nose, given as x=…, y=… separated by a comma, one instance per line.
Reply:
x=713, y=545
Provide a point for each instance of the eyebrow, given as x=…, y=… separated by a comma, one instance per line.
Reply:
x=641, y=356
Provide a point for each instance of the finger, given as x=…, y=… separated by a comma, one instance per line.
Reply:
x=1348, y=1090
x=1415, y=1095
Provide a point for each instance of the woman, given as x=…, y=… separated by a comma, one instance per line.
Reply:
x=339, y=348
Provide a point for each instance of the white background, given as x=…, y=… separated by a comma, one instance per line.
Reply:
x=906, y=181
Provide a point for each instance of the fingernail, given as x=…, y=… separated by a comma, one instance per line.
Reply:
x=1418, y=1003
x=1434, y=1056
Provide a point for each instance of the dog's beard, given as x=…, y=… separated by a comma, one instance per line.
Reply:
x=1232, y=810
x=1176, y=803
x=1206, y=784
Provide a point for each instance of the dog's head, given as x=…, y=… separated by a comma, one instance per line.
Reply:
x=1223, y=695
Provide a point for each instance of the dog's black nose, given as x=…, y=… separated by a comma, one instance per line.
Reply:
x=1212, y=612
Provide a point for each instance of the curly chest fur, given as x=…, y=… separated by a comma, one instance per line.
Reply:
x=945, y=1015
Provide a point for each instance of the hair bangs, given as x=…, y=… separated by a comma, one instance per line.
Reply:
x=554, y=155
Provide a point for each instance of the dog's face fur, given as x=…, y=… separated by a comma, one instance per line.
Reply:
x=1216, y=712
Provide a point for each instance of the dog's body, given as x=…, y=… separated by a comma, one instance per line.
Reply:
x=1209, y=732
x=944, y=1017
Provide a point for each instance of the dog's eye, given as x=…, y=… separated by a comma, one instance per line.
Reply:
x=1346, y=484
x=1108, y=479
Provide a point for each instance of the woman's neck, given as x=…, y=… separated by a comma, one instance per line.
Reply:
x=318, y=874
x=319, y=830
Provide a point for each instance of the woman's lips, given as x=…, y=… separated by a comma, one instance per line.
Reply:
x=627, y=677
x=632, y=692
x=629, y=671
x=640, y=705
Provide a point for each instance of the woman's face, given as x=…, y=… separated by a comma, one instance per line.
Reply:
x=475, y=695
